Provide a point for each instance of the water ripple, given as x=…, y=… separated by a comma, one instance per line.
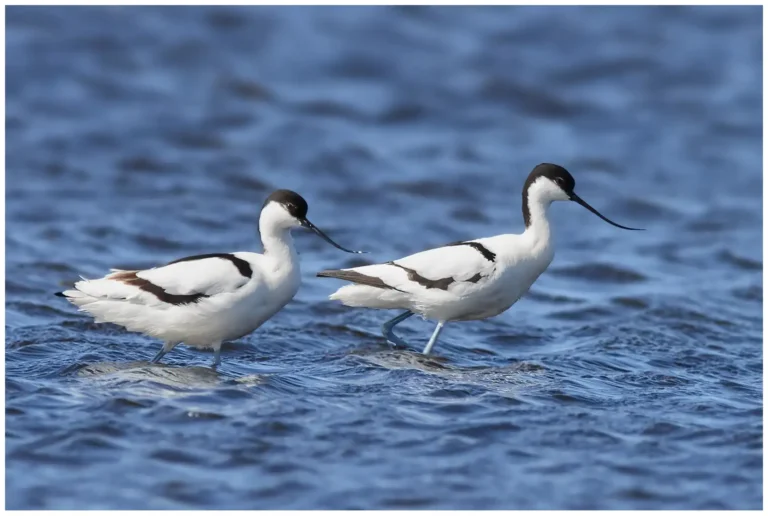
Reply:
x=630, y=377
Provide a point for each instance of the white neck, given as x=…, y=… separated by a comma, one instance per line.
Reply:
x=537, y=197
x=278, y=243
x=538, y=229
x=275, y=229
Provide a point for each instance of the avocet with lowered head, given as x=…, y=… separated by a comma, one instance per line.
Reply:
x=207, y=299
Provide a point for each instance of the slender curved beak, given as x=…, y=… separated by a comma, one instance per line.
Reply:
x=307, y=224
x=579, y=200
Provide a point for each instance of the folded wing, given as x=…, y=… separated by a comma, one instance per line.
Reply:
x=181, y=282
x=444, y=268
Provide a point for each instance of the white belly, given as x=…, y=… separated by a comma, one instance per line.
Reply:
x=495, y=297
x=227, y=317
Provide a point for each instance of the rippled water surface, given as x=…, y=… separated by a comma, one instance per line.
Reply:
x=629, y=377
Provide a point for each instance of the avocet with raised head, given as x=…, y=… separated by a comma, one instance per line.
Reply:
x=470, y=280
x=207, y=299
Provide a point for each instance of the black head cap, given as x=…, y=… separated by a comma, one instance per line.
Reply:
x=293, y=202
x=556, y=173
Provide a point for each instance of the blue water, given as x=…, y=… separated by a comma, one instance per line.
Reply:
x=631, y=375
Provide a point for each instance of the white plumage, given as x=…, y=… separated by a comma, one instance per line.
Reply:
x=469, y=280
x=205, y=300
x=229, y=305
x=480, y=288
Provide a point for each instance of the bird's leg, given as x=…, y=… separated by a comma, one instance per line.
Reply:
x=216, y=356
x=433, y=339
x=167, y=346
x=386, y=329
x=159, y=355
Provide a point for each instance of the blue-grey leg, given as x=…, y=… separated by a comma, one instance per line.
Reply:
x=386, y=329
x=216, y=357
x=433, y=339
x=167, y=346
x=160, y=354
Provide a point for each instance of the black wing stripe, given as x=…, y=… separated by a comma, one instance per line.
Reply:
x=356, y=277
x=242, y=266
x=442, y=284
x=130, y=278
x=474, y=279
x=487, y=254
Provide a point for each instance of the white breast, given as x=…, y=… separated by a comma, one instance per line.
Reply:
x=273, y=286
x=519, y=264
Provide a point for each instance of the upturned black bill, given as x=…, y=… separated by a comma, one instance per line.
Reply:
x=577, y=199
x=307, y=224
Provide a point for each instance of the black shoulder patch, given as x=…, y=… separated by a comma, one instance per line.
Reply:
x=487, y=254
x=242, y=266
